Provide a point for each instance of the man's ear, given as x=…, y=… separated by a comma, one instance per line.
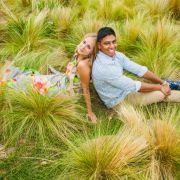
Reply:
x=99, y=45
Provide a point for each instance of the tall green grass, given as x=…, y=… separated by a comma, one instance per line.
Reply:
x=160, y=8
x=158, y=48
x=40, y=60
x=137, y=143
x=26, y=34
x=39, y=118
x=63, y=19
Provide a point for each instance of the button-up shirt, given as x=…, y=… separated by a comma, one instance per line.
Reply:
x=109, y=81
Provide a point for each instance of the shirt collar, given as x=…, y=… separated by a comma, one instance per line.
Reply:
x=104, y=58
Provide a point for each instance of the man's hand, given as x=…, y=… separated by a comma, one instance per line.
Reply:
x=92, y=117
x=165, y=89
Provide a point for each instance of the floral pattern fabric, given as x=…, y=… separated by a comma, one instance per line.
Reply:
x=22, y=78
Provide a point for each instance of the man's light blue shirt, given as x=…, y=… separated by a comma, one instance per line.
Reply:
x=109, y=81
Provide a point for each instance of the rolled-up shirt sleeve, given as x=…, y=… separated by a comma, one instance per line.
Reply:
x=124, y=83
x=133, y=67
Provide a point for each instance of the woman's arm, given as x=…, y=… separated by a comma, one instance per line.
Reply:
x=84, y=73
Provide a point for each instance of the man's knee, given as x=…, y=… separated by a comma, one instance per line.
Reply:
x=174, y=97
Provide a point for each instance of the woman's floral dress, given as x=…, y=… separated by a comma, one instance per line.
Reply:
x=22, y=78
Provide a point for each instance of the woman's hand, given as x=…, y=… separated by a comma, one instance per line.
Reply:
x=92, y=117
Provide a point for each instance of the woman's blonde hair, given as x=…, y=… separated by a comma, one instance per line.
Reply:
x=93, y=54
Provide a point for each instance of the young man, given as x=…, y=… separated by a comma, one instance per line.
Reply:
x=113, y=87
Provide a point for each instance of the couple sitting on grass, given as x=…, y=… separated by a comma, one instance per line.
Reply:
x=106, y=68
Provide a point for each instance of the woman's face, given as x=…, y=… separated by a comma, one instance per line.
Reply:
x=86, y=46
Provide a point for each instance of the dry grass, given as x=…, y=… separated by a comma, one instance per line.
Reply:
x=161, y=133
x=110, y=157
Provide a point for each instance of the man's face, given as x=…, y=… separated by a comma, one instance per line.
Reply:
x=108, y=45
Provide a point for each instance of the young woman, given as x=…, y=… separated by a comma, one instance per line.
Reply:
x=78, y=73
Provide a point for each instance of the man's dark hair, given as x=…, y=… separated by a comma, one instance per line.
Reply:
x=103, y=32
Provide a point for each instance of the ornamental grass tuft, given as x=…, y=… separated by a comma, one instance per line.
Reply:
x=162, y=136
x=120, y=156
x=40, y=119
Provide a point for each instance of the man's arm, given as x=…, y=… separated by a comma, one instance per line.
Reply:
x=131, y=66
x=146, y=87
x=152, y=77
x=127, y=84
